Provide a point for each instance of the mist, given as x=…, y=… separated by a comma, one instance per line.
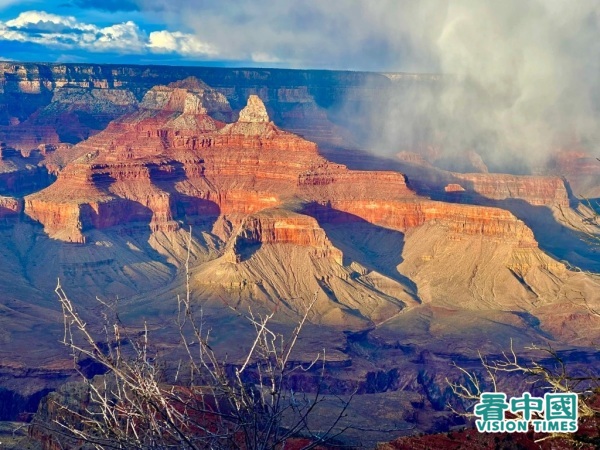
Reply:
x=519, y=79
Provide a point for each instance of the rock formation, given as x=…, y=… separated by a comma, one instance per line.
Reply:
x=255, y=111
x=535, y=190
x=273, y=223
x=275, y=226
x=453, y=187
x=142, y=164
x=191, y=97
x=73, y=114
x=298, y=99
x=580, y=168
x=10, y=206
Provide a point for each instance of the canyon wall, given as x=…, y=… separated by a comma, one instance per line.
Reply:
x=295, y=99
x=143, y=163
x=536, y=190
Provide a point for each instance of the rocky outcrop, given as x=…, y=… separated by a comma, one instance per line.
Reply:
x=453, y=187
x=535, y=190
x=459, y=220
x=144, y=163
x=10, y=206
x=255, y=111
x=63, y=406
x=283, y=227
x=189, y=96
x=334, y=181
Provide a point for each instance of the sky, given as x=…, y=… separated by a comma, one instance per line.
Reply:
x=337, y=34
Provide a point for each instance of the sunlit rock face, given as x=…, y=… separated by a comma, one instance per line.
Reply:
x=255, y=111
x=536, y=190
x=139, y=167
x=418, y=256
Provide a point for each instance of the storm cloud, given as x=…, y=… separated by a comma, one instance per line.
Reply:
x=519, y=79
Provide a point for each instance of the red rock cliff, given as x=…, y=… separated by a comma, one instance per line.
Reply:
x=536, y=190
x=172, y=161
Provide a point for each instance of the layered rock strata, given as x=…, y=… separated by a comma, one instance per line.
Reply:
x=276, y=226
x=580, y=168
x=296, y=99
x=172, y=161
x=10, y=206
x=535, y=190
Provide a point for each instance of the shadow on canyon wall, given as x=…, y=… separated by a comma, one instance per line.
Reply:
x=554, y=237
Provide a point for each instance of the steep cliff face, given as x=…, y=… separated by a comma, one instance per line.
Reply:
x=460, y=220
x=189, y=96
x=580, y=168
x=297, y=100
x=282, y=227
x=477, y=188
x=168, y=150
x=535, y=190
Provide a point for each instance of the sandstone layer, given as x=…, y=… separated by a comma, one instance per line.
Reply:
x=144, y=166
x=580, y=168
x=535, y=190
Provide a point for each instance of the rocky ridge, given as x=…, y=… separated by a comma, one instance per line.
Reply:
x=536, y=190
x=143, y=163
x=272, y=199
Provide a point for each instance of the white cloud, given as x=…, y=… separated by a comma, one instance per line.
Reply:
x=124, y=37
x=40, y=27
x=42, y=19
x=264, y=57
x=66, y=32
x=178, y=42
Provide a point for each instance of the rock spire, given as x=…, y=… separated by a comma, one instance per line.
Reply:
x=255, y=111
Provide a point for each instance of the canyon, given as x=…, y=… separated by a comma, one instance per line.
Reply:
x=121, y=180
